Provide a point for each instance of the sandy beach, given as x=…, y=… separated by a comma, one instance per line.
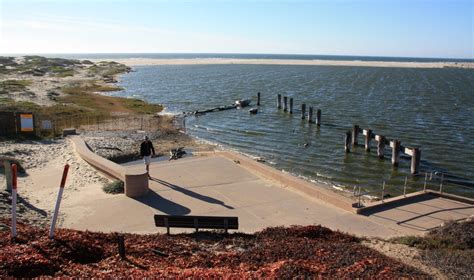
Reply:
x=219, y=61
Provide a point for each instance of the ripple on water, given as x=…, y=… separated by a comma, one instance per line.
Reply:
x=429, y=108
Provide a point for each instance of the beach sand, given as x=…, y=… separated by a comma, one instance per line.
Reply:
x=219, y=61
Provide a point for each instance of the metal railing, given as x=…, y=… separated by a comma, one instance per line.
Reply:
x=443, y=186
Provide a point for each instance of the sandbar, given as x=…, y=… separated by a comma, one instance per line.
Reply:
x=320, y=62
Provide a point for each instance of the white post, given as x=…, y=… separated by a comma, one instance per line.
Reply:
x=184, y=123
x=383, y=190
x=58, y=202
x=405, y=187
x=359, y=198
x=14, y=194
x=426, y=178
x=441, y=184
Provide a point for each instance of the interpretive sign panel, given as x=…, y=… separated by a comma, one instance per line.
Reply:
x=46, y=124
x=26, y=123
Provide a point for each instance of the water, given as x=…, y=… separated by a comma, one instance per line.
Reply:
x=429, y=108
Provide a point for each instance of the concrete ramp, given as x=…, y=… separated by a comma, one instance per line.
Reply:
x=421, y=212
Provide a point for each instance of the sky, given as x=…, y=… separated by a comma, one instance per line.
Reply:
x=403, y=28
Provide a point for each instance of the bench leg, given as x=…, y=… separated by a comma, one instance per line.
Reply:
x=196, y=224
x=167, y=225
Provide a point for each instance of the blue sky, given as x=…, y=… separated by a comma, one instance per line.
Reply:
x=411, y=28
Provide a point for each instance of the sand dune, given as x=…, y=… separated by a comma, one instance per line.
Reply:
x=201, y=61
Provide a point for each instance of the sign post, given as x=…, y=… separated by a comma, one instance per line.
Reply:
x=8, y=174
x=14, y=190
x=58, y=201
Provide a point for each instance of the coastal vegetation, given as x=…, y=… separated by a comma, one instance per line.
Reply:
x=114, y=187
x=66, y=88
x=13, y=85
x=449, y=248
x=275, y=253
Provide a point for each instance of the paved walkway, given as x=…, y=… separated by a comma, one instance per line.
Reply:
x=422, y=213
x=216, y=185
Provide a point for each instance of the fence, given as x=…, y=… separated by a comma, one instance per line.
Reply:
x=15, y=123
x=116, y=123
x=44, y=125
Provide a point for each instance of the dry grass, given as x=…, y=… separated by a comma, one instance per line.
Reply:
x=449, y=248
x=87, y=96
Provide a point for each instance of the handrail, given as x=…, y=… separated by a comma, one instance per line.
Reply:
x=358, y=193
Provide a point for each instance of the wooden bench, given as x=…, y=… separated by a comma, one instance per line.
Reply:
x=196, y=222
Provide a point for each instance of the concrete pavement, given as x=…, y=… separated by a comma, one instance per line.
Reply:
x=216, y=185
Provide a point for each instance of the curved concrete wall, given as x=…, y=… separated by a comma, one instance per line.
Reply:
x=136, y=182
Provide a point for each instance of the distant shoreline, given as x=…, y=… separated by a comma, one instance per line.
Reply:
x=316, y=62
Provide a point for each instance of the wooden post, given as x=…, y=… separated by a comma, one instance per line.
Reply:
x=355, y=134
x=381, y=147
x=368, y=137
x=310, y=114
x=291, y=105
x=318, y=117
x=415, y=161
x=121, y=246
x=347, y=142
x=258, y=98
x=279, y=101
x=285, y=103
x=395, y=152
x=303, y=111
x=8, y=174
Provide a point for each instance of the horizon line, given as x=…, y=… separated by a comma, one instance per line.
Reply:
x=230, y=53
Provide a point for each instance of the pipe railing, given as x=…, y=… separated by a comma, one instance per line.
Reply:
x=358, y=193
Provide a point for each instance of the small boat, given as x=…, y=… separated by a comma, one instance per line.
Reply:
x=253, y=111
x=242, y=103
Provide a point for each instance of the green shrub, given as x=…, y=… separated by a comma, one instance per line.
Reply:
x=115, y=187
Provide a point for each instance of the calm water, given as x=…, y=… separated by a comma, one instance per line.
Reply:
x=429, y=108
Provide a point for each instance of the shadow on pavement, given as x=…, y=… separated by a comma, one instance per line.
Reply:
x=159, y=203
x=185, y=191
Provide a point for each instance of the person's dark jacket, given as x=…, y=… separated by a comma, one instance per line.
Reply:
x=146, y=148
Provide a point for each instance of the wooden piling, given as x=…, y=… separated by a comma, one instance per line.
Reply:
x=368, y=137
x=318, y=117
x=303, y=111
x=347, y=142
x=381, y=147
x=285, y=103
x=291, y=105
x=395, y=144
x=355, y=134
x=310, y=114
x=258, y=98
x=415, y=161
x=279, y=101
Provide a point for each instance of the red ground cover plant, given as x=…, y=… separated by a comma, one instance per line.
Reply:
x=278, y=253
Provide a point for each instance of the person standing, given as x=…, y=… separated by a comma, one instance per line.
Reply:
x=146, y=151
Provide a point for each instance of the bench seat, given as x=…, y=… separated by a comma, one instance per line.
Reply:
x=196, y=222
